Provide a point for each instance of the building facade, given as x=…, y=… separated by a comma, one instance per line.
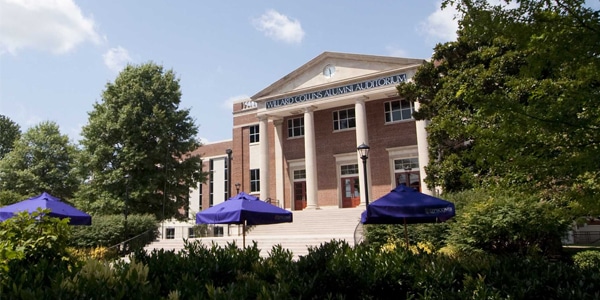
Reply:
x=294, y=143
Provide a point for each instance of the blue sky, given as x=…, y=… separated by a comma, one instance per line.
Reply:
x=56, y=56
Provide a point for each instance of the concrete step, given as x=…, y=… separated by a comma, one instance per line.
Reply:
x=310, y=228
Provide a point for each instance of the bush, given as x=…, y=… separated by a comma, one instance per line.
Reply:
x=506, y=223
x=109, y=230
x=33, y=253
x=588, y=260
x=99, y=253
x=101, y=280
x=198, y=266
x=333, y=270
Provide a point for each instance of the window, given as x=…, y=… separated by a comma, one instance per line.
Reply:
x=254, y=134
x=349, y=169
x=405, y=164
x=344, y=119
x=299, y=174
x=191, y=233
x=296, y=127
x=254, y=180
x=407, y=172
x=398, y=110
x=170, y=234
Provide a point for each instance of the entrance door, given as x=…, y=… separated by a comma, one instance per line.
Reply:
x=350, y=192
x=299, y=195
x=411, y=179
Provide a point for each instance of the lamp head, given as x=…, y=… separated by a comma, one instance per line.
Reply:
x=363, y=150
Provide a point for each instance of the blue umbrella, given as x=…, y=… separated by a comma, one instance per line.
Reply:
x=405, y=205
x=58, y=209
x=246, y=210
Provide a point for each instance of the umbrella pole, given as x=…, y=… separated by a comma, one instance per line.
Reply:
x=244, y=234
x=405, y=233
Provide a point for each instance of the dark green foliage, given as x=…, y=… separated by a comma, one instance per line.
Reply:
x=33, y=254
x=136, y=146
x=8, y=197
x=103, y=280
x=513, y=102
x=509, y=222
x=109, y=230
x=198, y=266
x=9, y=133
x=42, y=160
x=331, y=271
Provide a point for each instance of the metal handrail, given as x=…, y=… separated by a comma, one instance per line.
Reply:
x=270, y=201
x=125, y=247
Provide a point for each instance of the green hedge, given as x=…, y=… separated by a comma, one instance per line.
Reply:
x=334, y=270
x=35, y=264
x=109, y=230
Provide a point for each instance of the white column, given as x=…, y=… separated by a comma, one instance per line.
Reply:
x=279, y=182
x=310, y=159
x=423, y=149
x=263, y=130
x=362, y=136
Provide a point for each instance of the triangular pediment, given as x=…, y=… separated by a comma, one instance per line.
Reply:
x=346, y=67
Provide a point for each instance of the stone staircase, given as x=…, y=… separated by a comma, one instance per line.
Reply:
x=309, y=228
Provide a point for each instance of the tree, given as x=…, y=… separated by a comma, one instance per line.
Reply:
x=136, y=146
x=42, y=160
x=9, y=133
x=514, y=101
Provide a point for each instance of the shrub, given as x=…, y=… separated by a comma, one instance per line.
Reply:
x=504, y=223
x=198, y=266
x=587, y=260
x=101, y=280
x=33, y=253
x=109, y=230
x=99, y=253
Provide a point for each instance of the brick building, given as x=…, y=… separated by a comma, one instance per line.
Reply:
x=295, y=142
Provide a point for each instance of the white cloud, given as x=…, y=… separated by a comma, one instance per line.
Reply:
x=49, y=25
x=279, y=27
x=203, y=140
x=228, y=104
x=116, y=58
x=397, y=52
x=440, y=26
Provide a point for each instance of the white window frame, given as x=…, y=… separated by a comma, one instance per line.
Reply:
x=398, y=113
x=254, y=134
x=349, y=121
x=292, y=128
x=254, y=180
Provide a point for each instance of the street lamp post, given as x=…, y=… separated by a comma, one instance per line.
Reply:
x=363, y=151
x=237, y=188
x=228, y=151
